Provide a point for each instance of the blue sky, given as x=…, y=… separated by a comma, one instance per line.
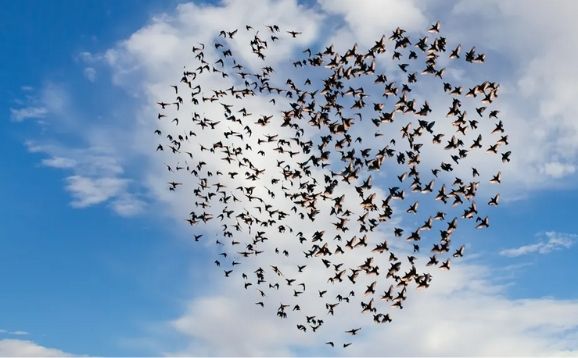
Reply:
x=66, y=269
x=94, y=259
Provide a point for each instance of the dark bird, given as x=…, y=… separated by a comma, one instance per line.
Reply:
x=294, y=33
x=281, y=160
x=353, y=332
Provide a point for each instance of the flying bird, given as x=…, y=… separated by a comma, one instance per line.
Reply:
x=297, y=180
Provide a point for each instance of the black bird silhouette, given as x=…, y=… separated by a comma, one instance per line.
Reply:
x=295, y=171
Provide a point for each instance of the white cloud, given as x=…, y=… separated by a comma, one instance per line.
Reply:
x=87, y=57
x=552, y=241
x=51, y=100
x=55, y=98
x=90, y=73
x=537, y=78
x=19, y=333
x=87, y=191
x=97, y=177
x=16, y=333
x=25, y=348
x=464, y=313
x=367, y=20
x=59, y=162
x=21, y=114
x=558, y=170
x=128, y=205
x=212, y=324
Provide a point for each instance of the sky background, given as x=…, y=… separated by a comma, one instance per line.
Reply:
x=95, y=259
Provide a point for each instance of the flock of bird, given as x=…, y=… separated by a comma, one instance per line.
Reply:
x=324, y=180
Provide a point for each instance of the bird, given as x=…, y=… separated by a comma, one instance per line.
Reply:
x=292, y=168
x=496, y=179
x=459, y=252
x=353, y=332
x=494, y=201
x=455, y=53
x=294, y=33
x=483, y=223
x=435, y=28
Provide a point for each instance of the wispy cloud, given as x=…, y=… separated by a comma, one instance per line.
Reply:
x=19, y=333
x=59, y=162
x=90, y=191
x=90, y=73
x=20, y=114
x=97, y=177
x=552, y=241
x=94, y=169
x=16, y=333
x=128, y=204
x=26, y=348
x=50, y=100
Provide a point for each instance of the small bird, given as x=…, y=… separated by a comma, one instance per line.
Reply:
x=455, y=53
x=494, y=201
x=353, y=332
x=496, y=179
x=483, y=223
x=293, y=33
x=459, y=252
x=435, y=28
